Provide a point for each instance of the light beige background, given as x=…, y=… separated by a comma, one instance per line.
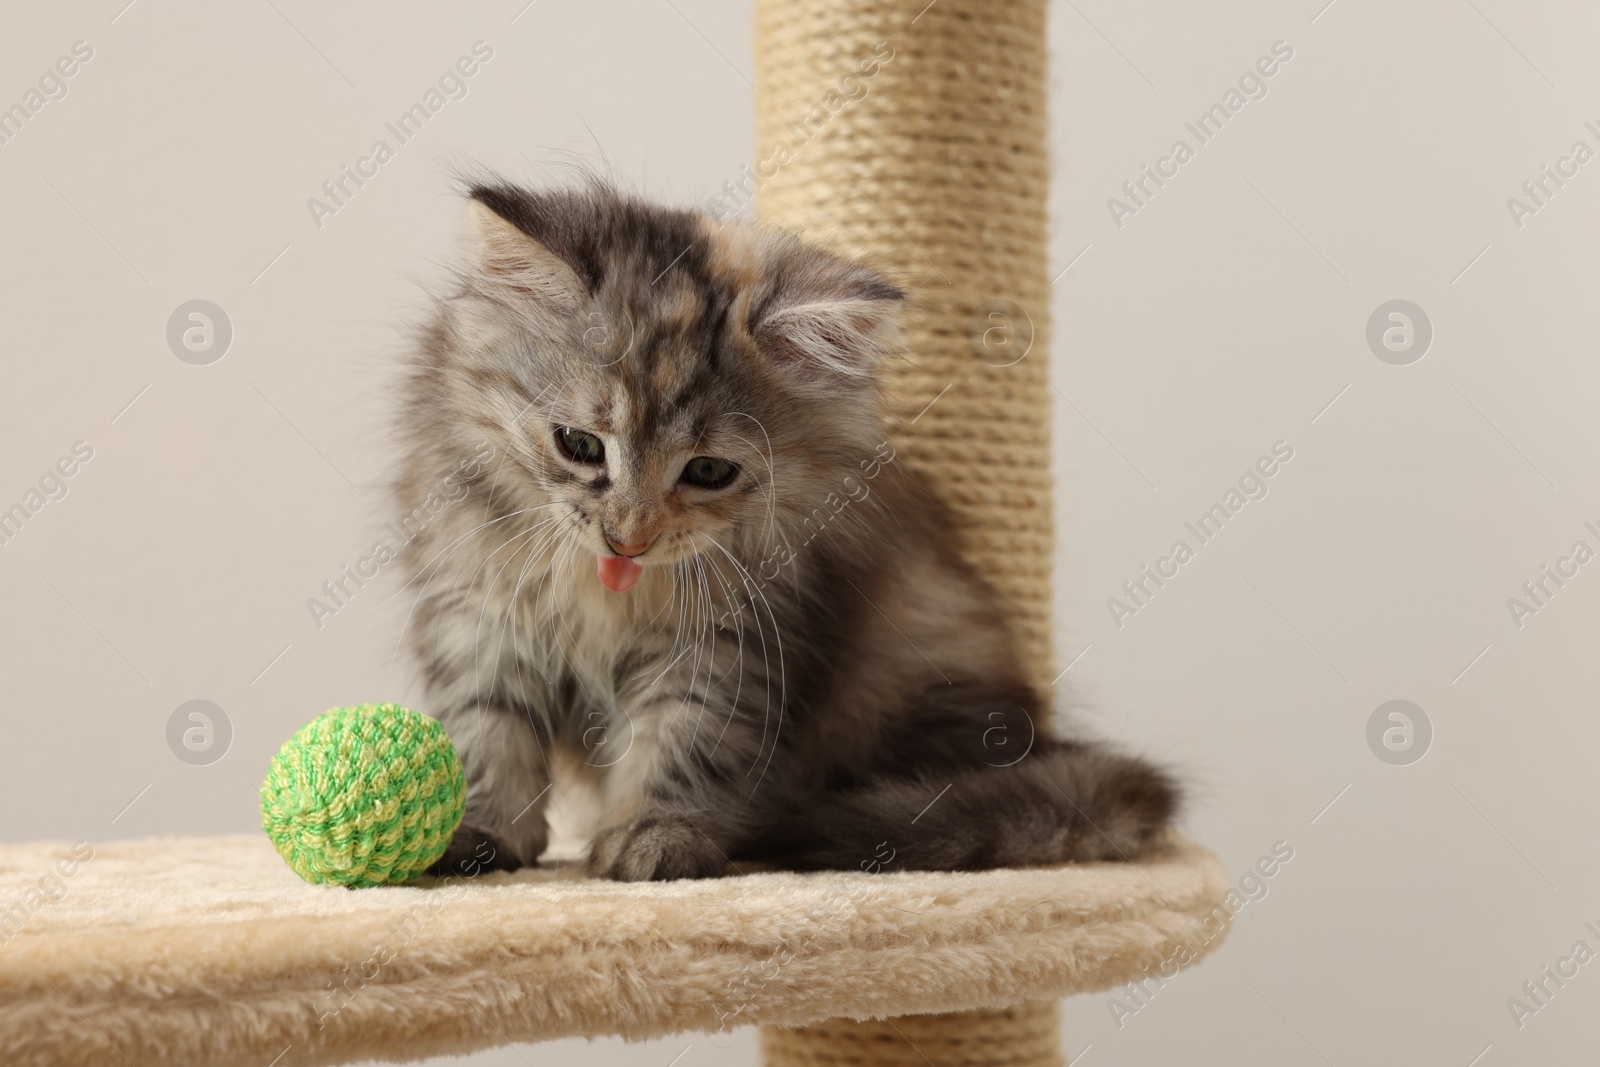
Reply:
x=1224, y=316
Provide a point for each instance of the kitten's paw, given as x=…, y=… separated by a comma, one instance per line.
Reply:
x=473, y=850
x=655, y=847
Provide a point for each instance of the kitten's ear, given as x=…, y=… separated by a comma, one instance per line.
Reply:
x=517, y=263
x=831, y=316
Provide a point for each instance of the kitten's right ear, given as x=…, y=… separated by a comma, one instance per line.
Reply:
x=518, y=264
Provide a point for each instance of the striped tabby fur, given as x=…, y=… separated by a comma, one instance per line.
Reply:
x=805, y=672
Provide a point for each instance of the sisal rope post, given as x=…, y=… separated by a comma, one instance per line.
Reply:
x=911, y=136
x=1024, y=1036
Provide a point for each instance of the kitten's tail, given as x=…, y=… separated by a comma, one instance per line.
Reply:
x=1064, y=801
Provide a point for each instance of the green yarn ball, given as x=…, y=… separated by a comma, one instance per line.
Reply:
x=364, y=796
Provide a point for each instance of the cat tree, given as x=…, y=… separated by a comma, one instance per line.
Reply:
x=211, y=952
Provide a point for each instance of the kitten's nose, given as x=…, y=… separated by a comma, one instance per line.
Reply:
x=629, y=550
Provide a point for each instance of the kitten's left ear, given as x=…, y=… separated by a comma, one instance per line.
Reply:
x=520, y=264
x=829, y=315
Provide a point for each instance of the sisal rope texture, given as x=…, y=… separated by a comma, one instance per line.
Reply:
x=911, y=136
x=935, y=173
x=1027, y=1035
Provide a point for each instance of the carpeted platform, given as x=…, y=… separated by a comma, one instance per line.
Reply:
x=210, y=951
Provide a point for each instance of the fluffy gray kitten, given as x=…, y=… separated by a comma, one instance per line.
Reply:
x=694, y=576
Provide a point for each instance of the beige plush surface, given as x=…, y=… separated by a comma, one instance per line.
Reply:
x=210, y=951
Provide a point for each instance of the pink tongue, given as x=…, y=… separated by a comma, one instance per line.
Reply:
x=618, y=573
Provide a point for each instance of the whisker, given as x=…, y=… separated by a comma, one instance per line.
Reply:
x=782, y=681
x=448, y=549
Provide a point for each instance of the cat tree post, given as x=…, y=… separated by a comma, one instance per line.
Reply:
x=911, y=135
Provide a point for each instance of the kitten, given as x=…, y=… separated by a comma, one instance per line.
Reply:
x=695, y=575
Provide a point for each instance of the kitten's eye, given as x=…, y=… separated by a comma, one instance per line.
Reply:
x=708, y=472
x=580, y=447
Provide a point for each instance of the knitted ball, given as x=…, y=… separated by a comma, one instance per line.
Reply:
x=364, y=796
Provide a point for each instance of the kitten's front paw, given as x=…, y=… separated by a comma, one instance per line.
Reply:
x=655, y=847
x=475, y=849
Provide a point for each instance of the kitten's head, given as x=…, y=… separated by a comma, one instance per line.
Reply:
x=662, y=383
